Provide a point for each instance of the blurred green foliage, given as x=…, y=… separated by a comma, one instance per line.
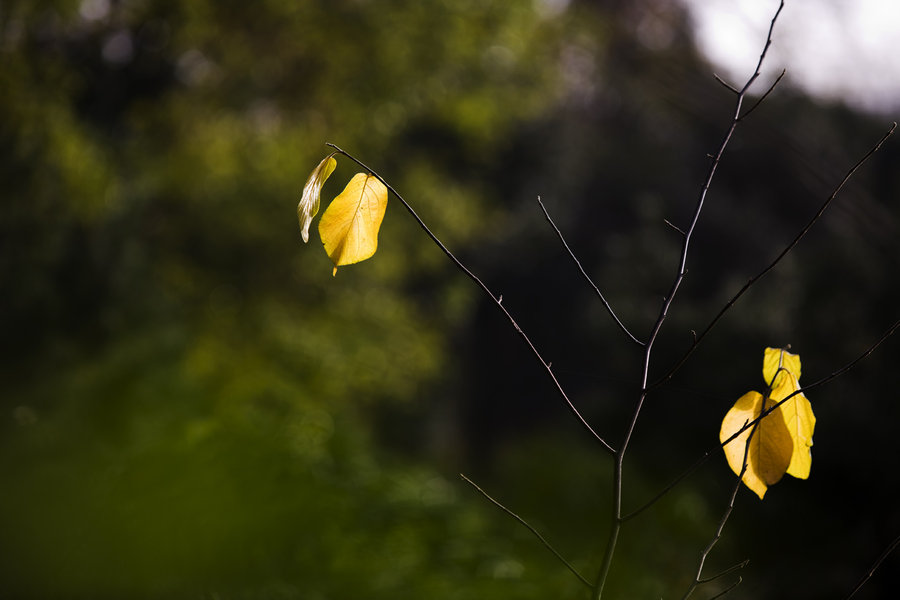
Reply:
x=186, y=388
x=193, y=407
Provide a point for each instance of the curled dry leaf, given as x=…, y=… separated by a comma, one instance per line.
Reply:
x=309, y=202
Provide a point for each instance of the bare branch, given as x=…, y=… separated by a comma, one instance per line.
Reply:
x=887, y=551
x=698, y=580
x=673, y=226
x=617, y=520
x=530, y=528
x=891, y=330
x=762, y=55
x=587, y=277
x=495, y=299
x=778, y=258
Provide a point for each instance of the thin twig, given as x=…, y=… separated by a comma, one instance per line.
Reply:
x=727, y=85
x=699, y=462
x=891, y=330
x=616, y=520
x=891, y=547
x=587, y=277
x=495, y=299
x=673, y=226
x=682, y=476
x=530, y=528
x=698, y=580
x=777, y=259
x=762, y=55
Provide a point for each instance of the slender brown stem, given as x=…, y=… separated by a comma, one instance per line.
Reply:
x=529, y=527
x=698, y=580
x=617, y=520
x=727, y=85
x=778, y=259
x=891, y=547
x=609, y=308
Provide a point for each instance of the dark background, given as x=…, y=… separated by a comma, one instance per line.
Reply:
x=192, y=407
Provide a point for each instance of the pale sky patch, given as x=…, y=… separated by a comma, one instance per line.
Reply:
x=835, y=49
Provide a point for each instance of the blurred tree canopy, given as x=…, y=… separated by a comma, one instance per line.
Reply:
x=193, y=407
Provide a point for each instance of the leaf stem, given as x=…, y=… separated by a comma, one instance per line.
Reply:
x=697, y=577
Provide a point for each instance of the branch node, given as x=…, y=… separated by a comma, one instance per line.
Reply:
x=763, y=97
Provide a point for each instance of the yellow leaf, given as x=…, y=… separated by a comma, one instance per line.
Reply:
x=770, y=448
x=775, y=359
x=781, y=442
x=349, y=227
x=800, y=422
x=309, y=202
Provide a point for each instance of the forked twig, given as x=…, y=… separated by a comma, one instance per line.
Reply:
x=609, y=308
x=778, y=259
x=496, y=299
x=764, y=96
x=730, y=569
x=617, y=520
x=698, y=580
x=530, y=528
